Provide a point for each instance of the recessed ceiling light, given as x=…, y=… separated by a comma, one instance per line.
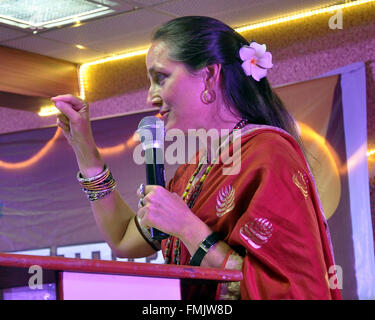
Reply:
x=40, y=14
x=79, y=46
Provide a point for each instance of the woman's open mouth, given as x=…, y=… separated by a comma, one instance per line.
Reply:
x=164, y=114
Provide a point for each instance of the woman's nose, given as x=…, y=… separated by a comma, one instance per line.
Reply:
x=154, y=100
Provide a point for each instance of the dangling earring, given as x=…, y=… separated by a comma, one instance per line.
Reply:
x=208, y=96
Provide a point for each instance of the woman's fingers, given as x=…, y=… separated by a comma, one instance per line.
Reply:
x=141, y=191
x=63, y=118
x=74, y=120
x=67, y=109
x=149, y=189
x=74, y=101
x=73, y=107
x=64, y=127
x=142, y=215
x=144, y=193
x=150, y=194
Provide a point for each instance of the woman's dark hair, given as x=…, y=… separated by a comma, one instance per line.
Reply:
x=200, y=41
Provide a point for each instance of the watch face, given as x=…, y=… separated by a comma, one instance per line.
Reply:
x=205, y=245
x=210, y=240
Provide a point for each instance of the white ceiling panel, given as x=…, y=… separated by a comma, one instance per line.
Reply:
x=148, y=3
x=8, y=33
x=76, y=55
x=34, y=44
x=206, y=7
x=50, y=48
x=119, y=26
x=133, y=41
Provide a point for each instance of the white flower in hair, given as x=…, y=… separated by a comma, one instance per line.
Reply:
x=256, y=60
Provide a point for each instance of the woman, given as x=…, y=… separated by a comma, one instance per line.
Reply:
x=265, y=219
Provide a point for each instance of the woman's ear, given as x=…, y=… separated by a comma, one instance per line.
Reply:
x=211, y=76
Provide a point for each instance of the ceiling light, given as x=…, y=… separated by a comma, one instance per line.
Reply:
x=78, y=46
x=77, y=24
x=40, y=14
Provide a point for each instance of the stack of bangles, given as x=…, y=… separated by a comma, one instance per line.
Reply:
x=99, y=186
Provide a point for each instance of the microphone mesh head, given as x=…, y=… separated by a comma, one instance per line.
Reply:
x=151, y=132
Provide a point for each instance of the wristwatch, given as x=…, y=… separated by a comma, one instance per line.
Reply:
x=204, y=247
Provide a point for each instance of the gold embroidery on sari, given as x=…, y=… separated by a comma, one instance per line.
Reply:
x=225, y=200
x=299, y=181
x=257, y=232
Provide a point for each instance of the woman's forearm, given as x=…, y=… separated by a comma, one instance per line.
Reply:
x=112, y=216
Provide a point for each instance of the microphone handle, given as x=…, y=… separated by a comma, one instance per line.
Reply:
x=155, y=176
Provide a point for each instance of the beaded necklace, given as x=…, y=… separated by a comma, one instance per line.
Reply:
x=190, y=198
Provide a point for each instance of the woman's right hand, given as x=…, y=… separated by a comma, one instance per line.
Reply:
x=74, y=120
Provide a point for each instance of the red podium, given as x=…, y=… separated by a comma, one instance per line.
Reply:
x=85, y=279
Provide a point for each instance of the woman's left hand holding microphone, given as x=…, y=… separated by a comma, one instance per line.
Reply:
x=166, y=211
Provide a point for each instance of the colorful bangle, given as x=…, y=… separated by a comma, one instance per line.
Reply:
x=95, y=178
x=204, y=247
x=99, y=186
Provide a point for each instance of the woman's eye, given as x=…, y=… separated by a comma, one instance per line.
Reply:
x=160, y=77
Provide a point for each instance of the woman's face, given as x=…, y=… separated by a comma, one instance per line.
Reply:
x=175, y=90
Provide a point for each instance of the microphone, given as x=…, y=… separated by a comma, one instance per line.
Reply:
x=151, y=133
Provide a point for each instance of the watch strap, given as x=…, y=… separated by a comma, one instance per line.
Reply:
x=204, y=247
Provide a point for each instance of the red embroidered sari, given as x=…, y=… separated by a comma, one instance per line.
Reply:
x=270, y=214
